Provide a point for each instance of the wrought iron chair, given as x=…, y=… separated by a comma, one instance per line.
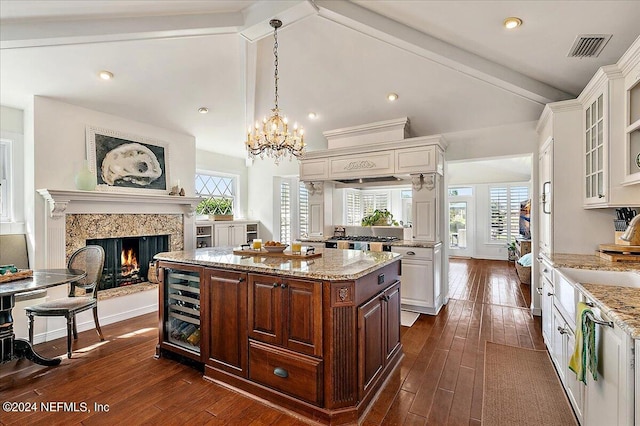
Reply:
x=91, y=260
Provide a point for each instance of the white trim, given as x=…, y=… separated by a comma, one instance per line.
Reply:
x=7, y=187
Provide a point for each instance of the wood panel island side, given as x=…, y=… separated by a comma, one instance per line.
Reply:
x=315, y=336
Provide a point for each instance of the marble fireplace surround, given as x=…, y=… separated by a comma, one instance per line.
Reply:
x=72, y=217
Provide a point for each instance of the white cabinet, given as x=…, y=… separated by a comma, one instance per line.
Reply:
x=234, y=234
x=545, y=167
x=629, y=63
x=596, y=143
x=421, y=284
x=546, y=298
x=561, y=349
x=204, y=234
x=609, y=400
x=607, y=141
x=632, y=126
x=426, y=208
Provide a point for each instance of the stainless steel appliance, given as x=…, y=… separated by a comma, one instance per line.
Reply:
x=360, y=242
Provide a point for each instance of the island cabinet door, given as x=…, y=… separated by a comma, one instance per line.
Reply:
x=303, y=316
x=265, y=308
x=226, y=322
x=371, y=343
x=391, y=301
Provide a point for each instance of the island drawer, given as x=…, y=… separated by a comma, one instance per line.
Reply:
x=286, y=371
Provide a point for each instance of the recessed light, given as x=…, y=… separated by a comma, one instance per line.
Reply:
x=105, y=75
x=203, y=110
x=392, y=96
x=512, y=22
x=312, y=115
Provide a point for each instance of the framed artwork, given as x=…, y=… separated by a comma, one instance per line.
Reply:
x=127, y=163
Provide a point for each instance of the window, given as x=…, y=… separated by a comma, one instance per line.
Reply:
x=363, y=203
x=504, y=215
x=463, y=191
x=219, y=193
x=5, y=180
x=354, y=208
x=285, y=212
x=303, y=203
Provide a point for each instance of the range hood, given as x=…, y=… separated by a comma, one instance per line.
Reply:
x=376, y=154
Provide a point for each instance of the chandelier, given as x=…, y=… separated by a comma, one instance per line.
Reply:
x=272, y=138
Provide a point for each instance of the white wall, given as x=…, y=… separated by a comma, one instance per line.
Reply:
x=519, y=138
x=207, y=161
x=12, y=128
x=263, y=192
x=60, y=149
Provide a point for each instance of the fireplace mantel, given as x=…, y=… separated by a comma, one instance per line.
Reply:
x=71, y=201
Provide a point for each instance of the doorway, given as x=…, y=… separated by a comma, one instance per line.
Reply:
x=461, y=220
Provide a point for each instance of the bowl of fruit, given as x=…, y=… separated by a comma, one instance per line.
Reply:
x=275, y=246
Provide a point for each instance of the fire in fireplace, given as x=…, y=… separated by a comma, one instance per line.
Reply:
x=127, y=259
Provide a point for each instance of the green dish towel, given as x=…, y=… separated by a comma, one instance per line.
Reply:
x=585, y=354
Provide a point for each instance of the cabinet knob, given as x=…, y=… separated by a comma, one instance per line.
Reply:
x=384, y=297
x=411, y=253
x=281, y=372
x=549, y=294
x=562, y=330
x=600, y=195
x=283, y=285
x=241, y=279
x=545, y=270
x=275, y=285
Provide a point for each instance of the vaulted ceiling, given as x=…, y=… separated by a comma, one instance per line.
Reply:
x=452, y=63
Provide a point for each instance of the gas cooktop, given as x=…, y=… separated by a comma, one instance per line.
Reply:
x=367, y=238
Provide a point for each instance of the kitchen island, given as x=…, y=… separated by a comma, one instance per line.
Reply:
x=314, y=335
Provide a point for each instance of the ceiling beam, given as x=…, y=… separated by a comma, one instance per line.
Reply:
x=30, y=33
x=399, y=35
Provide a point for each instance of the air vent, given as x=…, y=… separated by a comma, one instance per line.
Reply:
x=588, y=45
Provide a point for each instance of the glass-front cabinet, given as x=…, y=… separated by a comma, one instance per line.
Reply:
x=632, y=133
x=181, y=307
x=596, y=149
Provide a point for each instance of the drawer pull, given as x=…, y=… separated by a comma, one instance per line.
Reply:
x=411, y=253
x=281, y=372
x=549, y=294
x=562, y=330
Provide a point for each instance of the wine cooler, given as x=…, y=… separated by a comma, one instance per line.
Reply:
x=182, y=300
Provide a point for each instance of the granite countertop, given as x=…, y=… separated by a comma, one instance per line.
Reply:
x=620, y=304
x=334, y=264
x=590, y=261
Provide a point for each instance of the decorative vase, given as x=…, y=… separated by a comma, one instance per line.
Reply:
x=85, y=179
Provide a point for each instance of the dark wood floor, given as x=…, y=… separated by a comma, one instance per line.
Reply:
x=439, y=382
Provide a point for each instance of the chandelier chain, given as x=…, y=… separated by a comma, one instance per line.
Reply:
x=275, y=62
x=273, y=137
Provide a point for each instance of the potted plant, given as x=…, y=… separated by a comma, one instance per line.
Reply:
x=379, y=218
x=511, y=247
x=216, y=208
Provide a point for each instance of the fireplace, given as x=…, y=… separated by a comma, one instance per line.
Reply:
x=127, y=258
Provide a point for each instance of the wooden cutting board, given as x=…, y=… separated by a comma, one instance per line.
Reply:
x=619, y=253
